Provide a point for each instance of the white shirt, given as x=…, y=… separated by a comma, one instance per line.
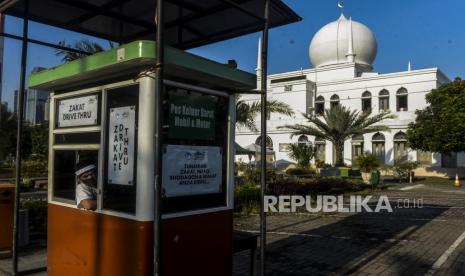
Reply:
x=84, y=191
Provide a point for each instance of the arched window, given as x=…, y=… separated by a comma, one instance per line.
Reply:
x=402, y=99
x=357, y=147
x=384, y=100
x=378, y=147
x=320, y=149
x=400, y=147
x=366, y=101
x=320, y=105
x=400, y=136
x=334, y=100
x=269, y=142
x=303, y=139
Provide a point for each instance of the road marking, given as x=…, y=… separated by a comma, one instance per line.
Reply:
x=443, y=258
x=411, y=187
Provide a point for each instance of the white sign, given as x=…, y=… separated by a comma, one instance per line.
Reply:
x=121, y=145
x=82, y=111
x=191, y=170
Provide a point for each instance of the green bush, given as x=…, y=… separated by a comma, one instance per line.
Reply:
x=310, y=186
x=247, y=199
x=34, y=168
x=37, y=210
x=252, y=176
x=300, y=171
x=402, y=170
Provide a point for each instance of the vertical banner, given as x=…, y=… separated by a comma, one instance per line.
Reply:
x=121, y=130
x=191, y=170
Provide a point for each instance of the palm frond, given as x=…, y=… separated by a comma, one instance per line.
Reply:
x=84, y=45
x=248, y=111
x=338, y=124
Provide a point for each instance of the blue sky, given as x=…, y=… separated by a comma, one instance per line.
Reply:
x=429, y=33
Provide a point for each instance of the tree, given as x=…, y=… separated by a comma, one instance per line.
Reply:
x=338, y=124
x=39, y=137
x=302, y=153
x=84, y=45
x=440, y=127
x=8, y=126
x=8, y=133
x=246, y=112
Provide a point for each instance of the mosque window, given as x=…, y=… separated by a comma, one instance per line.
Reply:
x=357, y=147
x=366, y=101
x=320, y=149
x=402, y=99
x=378, y=144
x=384, y=100
x=303, y=139
x=320, y=105
x=334, y=100
x=400, y=147
x=269, y=142
x=288, y=88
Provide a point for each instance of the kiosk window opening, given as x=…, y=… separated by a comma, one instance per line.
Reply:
x=72, y=173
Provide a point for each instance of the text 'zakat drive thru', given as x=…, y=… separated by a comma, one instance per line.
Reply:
x=102, y=163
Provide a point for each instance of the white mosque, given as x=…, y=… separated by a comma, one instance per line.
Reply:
x=342, y=53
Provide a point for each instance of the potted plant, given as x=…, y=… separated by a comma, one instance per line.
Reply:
x=366, y=163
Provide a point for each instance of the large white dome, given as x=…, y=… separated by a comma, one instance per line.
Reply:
x=331, y=44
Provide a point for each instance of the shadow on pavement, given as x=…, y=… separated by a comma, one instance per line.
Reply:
x=348, y=245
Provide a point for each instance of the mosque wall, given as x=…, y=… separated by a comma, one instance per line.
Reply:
x=296, y=93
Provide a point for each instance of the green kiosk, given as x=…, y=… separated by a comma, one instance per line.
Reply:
x=102, y=163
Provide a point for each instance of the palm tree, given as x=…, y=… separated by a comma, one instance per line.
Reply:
x=83, y=45
x=247, y=111
x=339, y=124
x=302, y=153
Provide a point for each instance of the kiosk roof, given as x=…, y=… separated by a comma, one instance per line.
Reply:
x=130, y=59
x=188, y=23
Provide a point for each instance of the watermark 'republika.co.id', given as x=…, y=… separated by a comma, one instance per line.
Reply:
x=331, y=203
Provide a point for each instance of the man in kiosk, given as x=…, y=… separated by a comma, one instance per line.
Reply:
x=86, y=193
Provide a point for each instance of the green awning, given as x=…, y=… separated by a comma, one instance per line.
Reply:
x=130, y=59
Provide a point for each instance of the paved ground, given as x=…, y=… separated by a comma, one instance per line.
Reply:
x=413, y=241
x=416, y=241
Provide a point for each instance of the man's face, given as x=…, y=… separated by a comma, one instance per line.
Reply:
x=88, y=178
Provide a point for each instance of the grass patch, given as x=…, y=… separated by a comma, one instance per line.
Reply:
x=436, y=181
x=247, y=199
